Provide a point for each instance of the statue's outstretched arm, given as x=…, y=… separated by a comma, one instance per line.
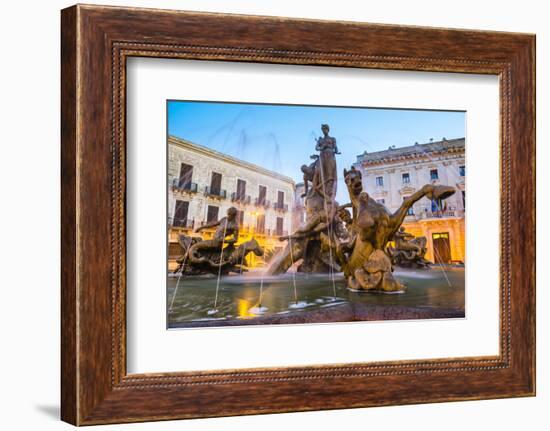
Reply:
x=209, y=224
x=399, y=215
x=430, y=191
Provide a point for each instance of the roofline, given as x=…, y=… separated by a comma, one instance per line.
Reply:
x=184, y=143
x=393, y=154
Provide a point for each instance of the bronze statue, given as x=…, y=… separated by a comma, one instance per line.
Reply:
x=409, y=251
x=326, y=145
x=210, y=256
x=309, y=173
x=307, y=242
x=368, y=266
x=226, y=226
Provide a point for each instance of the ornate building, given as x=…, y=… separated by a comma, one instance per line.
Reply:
x=203, y=184
x=391, y=175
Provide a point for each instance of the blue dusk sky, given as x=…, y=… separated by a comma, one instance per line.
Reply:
x=282, y=137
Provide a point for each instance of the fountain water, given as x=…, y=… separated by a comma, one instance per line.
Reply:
x=177, y=284
x=215, y=310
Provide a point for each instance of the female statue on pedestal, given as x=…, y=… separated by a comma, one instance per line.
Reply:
x=326, y=145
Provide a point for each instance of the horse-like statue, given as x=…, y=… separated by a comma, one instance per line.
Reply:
x=196, y=260
x=368, y=266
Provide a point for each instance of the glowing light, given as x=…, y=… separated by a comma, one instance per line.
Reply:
x=243, y=308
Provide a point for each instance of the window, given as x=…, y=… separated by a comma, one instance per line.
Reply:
x=405, y=178
x=379, y=181
x=381, y=201
x=437, y=205
x=240, y=217
x=241, y=189
x=280, y=204
x=186, y=175
x=280, y=198
x=462, y=171
x=464, y=199
x=279, y=226
x=212, y=214
x=180, y=214
x=410, y=211
x=262, y=192
x=216, y=183
x=260, y=223
x=434, y=175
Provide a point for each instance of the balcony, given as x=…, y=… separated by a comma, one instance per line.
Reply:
x=184, y=186
x=262, y=203
x=440, y=214
x=237, y=197
x=279, y=206
x=215, y=193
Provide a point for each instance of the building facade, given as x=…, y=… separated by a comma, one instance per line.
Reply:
x=299, y=206
x=391, y=175
x=203, y=184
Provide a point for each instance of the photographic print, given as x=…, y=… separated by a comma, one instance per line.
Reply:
x=288, y=214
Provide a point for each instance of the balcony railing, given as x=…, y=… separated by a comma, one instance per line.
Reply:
x=262, y=203
x=184, y=186
x=214, y=192
x=238, y=197
x=280, y=206
x=440, y=214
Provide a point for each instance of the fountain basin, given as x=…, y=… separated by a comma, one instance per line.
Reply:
x=433, y=293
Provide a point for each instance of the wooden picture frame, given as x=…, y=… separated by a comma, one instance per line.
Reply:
x=95, y=42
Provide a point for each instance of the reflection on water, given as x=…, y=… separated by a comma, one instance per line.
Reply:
x=239, y=295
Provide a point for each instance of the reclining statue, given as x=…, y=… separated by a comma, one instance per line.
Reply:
x=218, y=255
x=409, y=251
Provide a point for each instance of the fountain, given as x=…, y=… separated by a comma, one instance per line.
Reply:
x=330, y=241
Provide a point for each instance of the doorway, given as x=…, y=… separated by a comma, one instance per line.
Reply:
x=442, y=247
